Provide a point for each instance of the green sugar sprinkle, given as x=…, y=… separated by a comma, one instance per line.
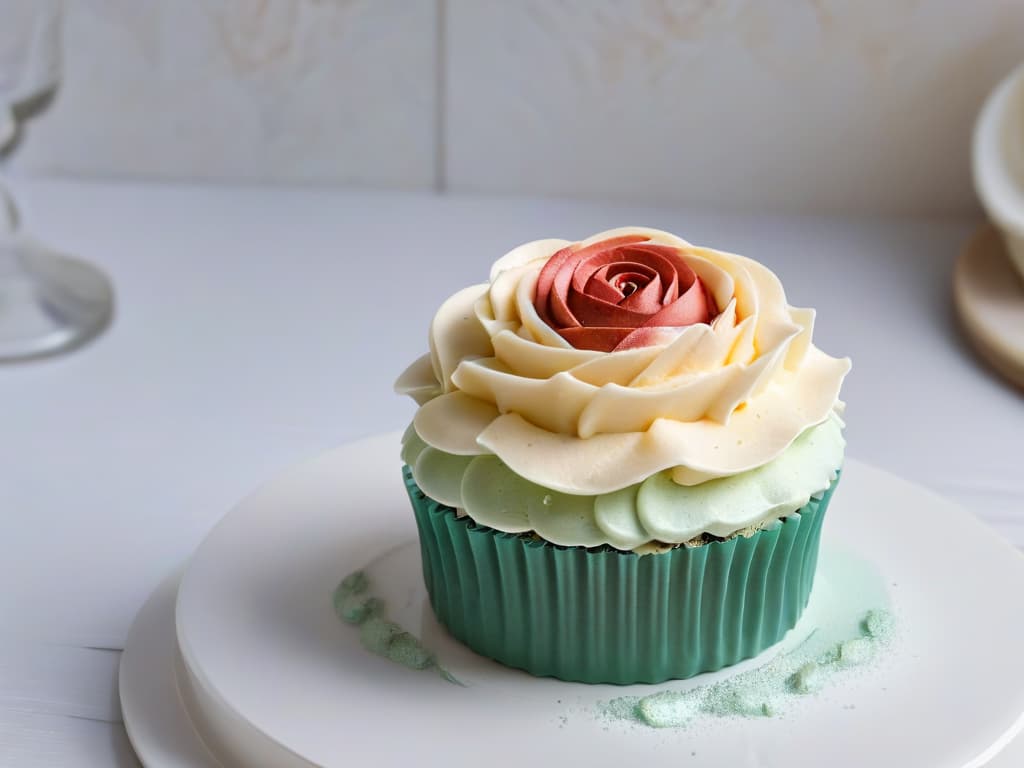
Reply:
x=880, y=625
x=857, y=651
x=747, y=703
x=761, y=692
x=354, y=584
x=622, y=708
x=809, y=678
x=355, y=609
x=377, y=633
x=407, y=651
x=670, y=710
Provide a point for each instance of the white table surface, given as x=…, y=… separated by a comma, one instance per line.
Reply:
x=259, y=326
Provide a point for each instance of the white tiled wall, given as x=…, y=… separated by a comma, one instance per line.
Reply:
x=783, y=104
x=796, y=104
x=296, y=90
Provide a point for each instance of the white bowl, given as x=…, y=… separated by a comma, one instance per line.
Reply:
x=998, y=160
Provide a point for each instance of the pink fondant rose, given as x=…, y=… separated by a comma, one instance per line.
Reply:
x=620, y=293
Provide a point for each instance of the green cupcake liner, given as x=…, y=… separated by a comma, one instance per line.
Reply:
x=605, y=616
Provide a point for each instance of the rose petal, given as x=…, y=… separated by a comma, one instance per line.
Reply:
x=647, y=299
x=600, y=288
x=603, y=266
x=546, y=281
x=600, y=339
x=646, y=336
x=589, y=248
x=689, y=309
x=534, y=326
x=606, y=283
x=591, y=311
x=558, y=307
x=568, y=258
x=666, y=260
x=652, y=257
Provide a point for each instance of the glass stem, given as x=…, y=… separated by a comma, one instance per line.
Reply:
x=9, y=261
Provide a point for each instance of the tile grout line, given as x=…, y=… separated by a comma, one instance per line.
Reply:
x=440, y=98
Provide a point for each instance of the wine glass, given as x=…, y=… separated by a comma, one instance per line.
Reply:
x=49, y=302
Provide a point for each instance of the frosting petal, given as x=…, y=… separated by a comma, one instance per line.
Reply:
x=552, y=404
x=452, y=422
x=538, y=361
x=565, y=519
x=525, y=253
x=616, y=409
x=500, y=499
x=617, y=367
x=616, y=515
x=456, y=333
x=441, y=474
x=412, y=446
x=534, y=326
x=652, y=235
x=418, y=381
x=495, y=497
x=598, y=464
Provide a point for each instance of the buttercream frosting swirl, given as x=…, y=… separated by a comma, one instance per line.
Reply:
x=700, y=398
x=644, y=517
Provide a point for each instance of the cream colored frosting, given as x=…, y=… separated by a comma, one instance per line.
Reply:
x=708, y=401
x=655, y=511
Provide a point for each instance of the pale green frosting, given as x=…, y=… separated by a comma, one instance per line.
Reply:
x=655, y=510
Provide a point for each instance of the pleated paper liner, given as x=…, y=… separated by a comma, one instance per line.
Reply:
x=605, y=616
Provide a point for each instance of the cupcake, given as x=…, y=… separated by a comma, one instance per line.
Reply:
x=622, y=458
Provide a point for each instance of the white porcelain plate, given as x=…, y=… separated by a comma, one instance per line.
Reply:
x=276, y=679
